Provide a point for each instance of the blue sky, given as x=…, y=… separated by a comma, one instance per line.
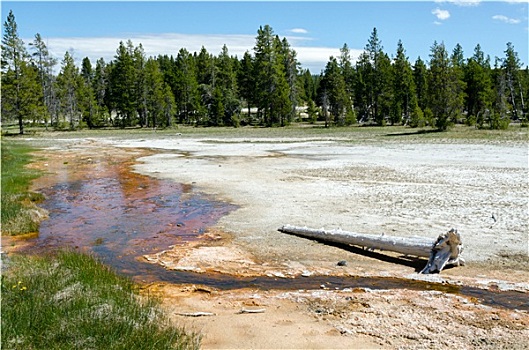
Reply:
x=316, y=30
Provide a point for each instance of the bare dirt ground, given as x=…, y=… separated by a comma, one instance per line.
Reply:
x=397, y=188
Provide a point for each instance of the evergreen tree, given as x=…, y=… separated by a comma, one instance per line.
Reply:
x=15, y=94
x=86, y=96
x=479, y=93
x=141, y=87
x=291, y=69
x=405, y=99
x=169, y=105
x=272, y=90
x=420, y=77
x=206, y=75
x=524, y=92
x=457, y=73
x=154, y=94
x=123, y=85
x=364, y=95
x=68, y=87
x=280, y=97
x=444, y=88
x=45, y=64
x=13, y=50
x=87, y=72
x=226, y=89
x=246, y=81
x=100, y=86
x=168, y=68
x=348, y=74
x=374, y=51
x=263, y=72
x=312, y=111
x=384, y=89
x=205, y=66
x=499, y=117
x=22, y=96
x=511, y=67
x=374, y=89
x=347, y=69
x=333, y=87
x=307, y=86
x=186, y=89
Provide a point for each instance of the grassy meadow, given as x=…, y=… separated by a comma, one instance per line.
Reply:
x=72, y=301
x=19, y=211
x=303, y=131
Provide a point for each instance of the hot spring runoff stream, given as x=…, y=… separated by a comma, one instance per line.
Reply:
x=102, y=207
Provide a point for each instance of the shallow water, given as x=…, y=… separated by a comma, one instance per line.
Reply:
x=105, y=209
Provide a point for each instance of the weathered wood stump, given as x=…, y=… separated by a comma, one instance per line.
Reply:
x=446, y=250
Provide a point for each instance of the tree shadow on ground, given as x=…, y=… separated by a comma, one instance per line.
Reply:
x=415, y=132
x=414, y=262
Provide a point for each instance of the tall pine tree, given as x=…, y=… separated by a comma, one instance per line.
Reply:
x=123, y=85
x=186, y=88
x=479, y=93
x=443, y=88
x=45, y=63
x=404, y=95
x=333, y=88
x=69, y=86
x=21, y=92
x=511, y=68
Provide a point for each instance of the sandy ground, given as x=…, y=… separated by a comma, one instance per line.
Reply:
x=395, y=188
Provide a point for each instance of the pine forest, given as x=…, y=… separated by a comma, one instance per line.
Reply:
x=266, y=87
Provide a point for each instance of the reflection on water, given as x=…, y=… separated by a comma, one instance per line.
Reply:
x=120, y=216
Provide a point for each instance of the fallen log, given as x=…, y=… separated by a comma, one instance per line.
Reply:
x=445, y=250
x=196, y=314
x=251, y=311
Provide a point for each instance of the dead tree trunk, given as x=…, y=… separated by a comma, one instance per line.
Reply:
x=445, y=250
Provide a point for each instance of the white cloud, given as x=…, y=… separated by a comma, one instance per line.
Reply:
x=506, y=19
x=154, y=45
x=441, y=14
x=462, y=3
x=315, y=58
x=298, y=31
x=312, y=57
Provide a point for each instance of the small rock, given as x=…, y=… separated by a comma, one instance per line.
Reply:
x=342, y=263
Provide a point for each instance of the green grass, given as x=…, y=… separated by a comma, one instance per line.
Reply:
x=19, y=211
x=355, y=133
x=72, y=301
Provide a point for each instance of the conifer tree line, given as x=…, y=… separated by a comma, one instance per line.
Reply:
x=265, y=87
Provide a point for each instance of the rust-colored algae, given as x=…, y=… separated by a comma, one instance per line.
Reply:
x=98, y=204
